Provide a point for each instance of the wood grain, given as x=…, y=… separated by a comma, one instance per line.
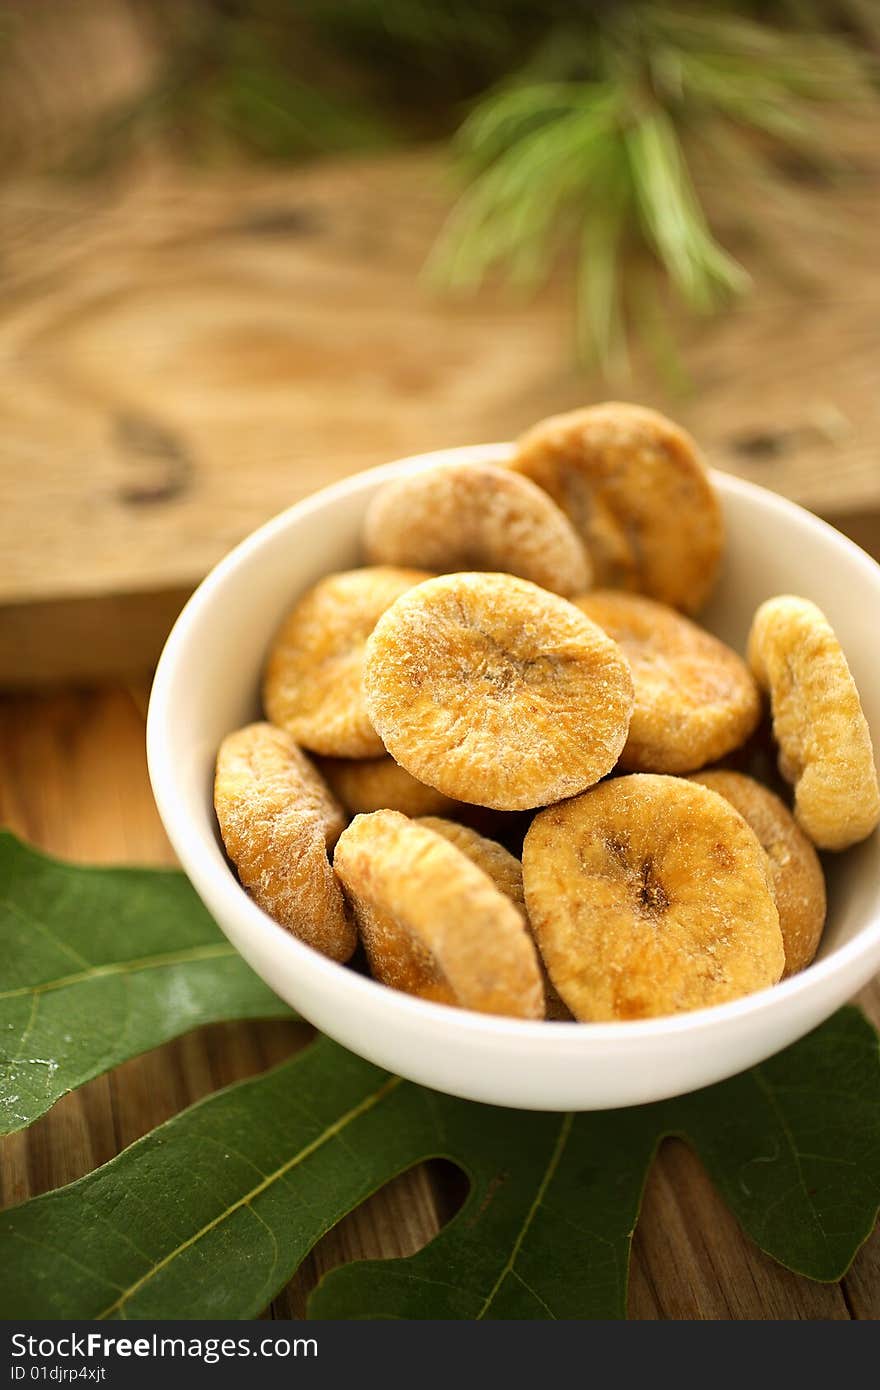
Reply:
x=185, y=353
x=73, y=780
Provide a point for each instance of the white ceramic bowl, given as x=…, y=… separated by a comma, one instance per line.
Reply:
x=207, y=683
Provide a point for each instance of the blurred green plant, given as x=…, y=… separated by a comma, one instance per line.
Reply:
x=581, y=124
x=587, y=147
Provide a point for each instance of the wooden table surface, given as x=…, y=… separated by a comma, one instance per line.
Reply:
x=187, y=352
x=73, y=780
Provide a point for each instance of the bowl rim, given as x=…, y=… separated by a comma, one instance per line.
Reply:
x=216, y=880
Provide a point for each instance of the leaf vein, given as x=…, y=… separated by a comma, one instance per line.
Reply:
x=33, y=923
x=558, y=1150
x=535, y=1295
x=768, y=1091
x=124, y=967
x=245, y=1201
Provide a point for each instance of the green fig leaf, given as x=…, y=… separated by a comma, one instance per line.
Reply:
x=98, y=965
x=212, y=1213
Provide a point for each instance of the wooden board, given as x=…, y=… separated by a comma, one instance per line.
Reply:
x=73, y=780
x=184, y=354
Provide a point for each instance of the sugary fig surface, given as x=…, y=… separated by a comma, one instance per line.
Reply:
x=798, y=881
x=497, y=692
x=476, y=516
x=824, y=742
x=638, y=493
x=650, y=895
x=312, y=682
x=503, y=868
x=278, y=820
x=381, y=784
x=505, y=871
x=432, y=923
x=695, y=698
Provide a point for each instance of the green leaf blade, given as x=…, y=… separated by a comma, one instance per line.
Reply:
x=99, y=965
x=794, y=1146
x=241, y=1186
x=212, y=1213
x=545, y=1231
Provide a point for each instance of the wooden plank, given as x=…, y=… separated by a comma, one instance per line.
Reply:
x=209, y=349
x=73, y=780
x=184, y=354
x=82, y=640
